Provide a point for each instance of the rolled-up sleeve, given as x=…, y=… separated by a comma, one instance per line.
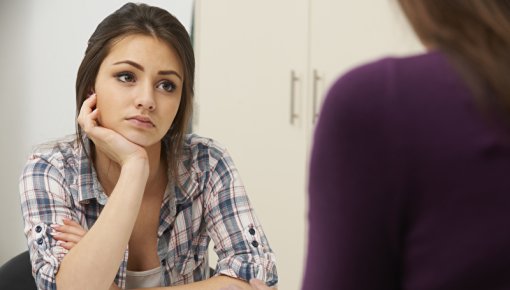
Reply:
x=44, y=201
x=242, y=247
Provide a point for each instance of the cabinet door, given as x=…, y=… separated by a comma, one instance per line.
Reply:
x=346, y=33
x=247, y=52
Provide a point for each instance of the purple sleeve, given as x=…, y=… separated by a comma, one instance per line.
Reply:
x=353, y=231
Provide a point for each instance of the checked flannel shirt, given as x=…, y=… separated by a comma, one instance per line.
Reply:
x=59, y=182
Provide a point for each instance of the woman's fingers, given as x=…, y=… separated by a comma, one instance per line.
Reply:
x=67, y=237
x=87, y=119
x=88, y=114
x=67, y=245
x=69, y=234
x=70, y=227
x=88, y=106
x=72, y=223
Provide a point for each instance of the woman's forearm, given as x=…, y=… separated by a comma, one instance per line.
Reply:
x=94, y=261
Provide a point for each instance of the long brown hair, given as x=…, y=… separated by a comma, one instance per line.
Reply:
x=147, y=20
x=475, y=34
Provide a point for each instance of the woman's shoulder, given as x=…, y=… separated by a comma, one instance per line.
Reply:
x=194, y=141
x=56, y=151
x=390, y=78
x=385, y=71
x=201, y=152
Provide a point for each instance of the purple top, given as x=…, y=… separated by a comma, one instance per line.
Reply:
x=409, y=183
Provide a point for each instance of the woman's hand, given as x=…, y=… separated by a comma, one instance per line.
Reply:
x=114, y=145
x=68, y=234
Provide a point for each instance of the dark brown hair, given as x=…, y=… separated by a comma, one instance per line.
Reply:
x=474, y=34
x=146, y=20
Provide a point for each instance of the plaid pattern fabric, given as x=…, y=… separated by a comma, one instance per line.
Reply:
x=59, y=182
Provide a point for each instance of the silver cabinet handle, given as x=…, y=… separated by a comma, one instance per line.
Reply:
x=316, y=79
x=293, y=80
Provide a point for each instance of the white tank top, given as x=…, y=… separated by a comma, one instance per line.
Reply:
x=143, y=279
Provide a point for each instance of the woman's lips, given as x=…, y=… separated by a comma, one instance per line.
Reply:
x=141, y=121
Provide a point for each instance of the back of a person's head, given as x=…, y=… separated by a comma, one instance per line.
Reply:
x=473, y=33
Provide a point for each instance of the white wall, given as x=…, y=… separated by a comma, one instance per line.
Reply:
x=42, y=44
x=14, y=79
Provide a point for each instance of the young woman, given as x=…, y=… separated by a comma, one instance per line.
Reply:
x=132, y=201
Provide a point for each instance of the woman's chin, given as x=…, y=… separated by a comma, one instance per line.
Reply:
x=142, y=140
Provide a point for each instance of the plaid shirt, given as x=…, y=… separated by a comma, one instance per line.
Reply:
x=59, y=182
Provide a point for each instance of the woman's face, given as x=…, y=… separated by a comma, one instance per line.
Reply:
x=138, y=88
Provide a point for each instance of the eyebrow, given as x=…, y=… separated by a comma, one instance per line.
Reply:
x=140, y=67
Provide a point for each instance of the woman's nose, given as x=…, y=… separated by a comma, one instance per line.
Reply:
x=145, y=99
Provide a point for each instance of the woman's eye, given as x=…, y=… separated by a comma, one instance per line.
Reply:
x=167, y=86
x=126, y=77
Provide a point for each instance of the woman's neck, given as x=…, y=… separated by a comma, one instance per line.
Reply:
x=108, y=171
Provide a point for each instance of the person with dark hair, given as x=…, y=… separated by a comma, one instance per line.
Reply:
x=408, y=184
x=408, y=179
x=132, y=201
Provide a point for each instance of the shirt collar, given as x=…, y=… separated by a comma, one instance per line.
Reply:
x=187, y=179
x=89, y=186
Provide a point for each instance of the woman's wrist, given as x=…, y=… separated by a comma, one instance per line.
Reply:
x=137, y=165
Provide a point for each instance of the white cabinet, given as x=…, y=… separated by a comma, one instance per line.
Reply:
x=262, y=70
x=246, y=51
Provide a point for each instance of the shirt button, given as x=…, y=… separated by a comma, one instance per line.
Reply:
x=252, y=231
x=38, y=229
x=40, y=241
x=255, y=244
